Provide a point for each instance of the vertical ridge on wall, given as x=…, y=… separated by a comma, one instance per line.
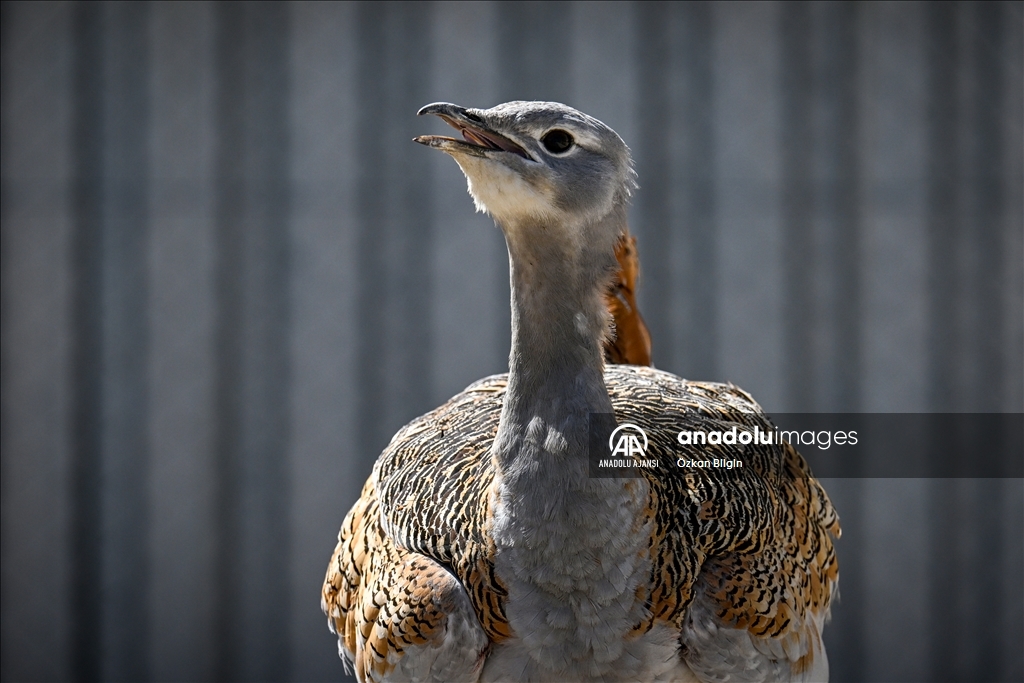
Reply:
x=110, y=343
x=407, y=227
x=988, y=210
x=798, y=263
x=839, y=283
x=748, y=182
x=694, y=343
x=654, y=167
x=393, y=208
x=843, y=59
x=1009, y=121
x=38, y=497
x=533, y=50
x=943, y=202
x=86, y=368
x=182, y=484
x=326, y=470
x=1011, y=126
x=124, y=293
x=370, y=206
x=229, y=203
x=943, y=208
x=266, y=497
x=967, y=269
x=984, y=84
x=252, y=382
x=470, y=265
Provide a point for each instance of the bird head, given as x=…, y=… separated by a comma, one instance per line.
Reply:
x=532, y=164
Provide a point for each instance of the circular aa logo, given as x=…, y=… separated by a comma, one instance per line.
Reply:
x=626, y=441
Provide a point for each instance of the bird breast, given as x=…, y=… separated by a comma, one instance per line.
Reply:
x=572, y=551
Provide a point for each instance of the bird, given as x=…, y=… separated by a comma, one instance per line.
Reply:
x=484, y=547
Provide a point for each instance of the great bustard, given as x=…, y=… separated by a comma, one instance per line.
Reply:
x=483, y=549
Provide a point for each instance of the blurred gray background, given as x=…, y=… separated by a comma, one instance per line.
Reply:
x=228, y=276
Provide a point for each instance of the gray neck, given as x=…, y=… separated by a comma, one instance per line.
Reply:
x=559, y=319
x=568, y=546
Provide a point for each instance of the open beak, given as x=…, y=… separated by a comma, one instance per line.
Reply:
x=477, y=138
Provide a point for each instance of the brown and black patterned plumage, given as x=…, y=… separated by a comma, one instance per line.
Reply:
x=756, y=542
x=482, y=546
x=629, y=342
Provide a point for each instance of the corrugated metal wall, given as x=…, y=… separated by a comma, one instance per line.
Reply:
x=229, y=277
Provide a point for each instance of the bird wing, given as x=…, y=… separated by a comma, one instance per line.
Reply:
x=743, y=565
x=410, y=590
x=773, y=603
x=629, y=341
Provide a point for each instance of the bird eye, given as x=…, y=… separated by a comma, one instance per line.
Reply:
x=557, y=141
